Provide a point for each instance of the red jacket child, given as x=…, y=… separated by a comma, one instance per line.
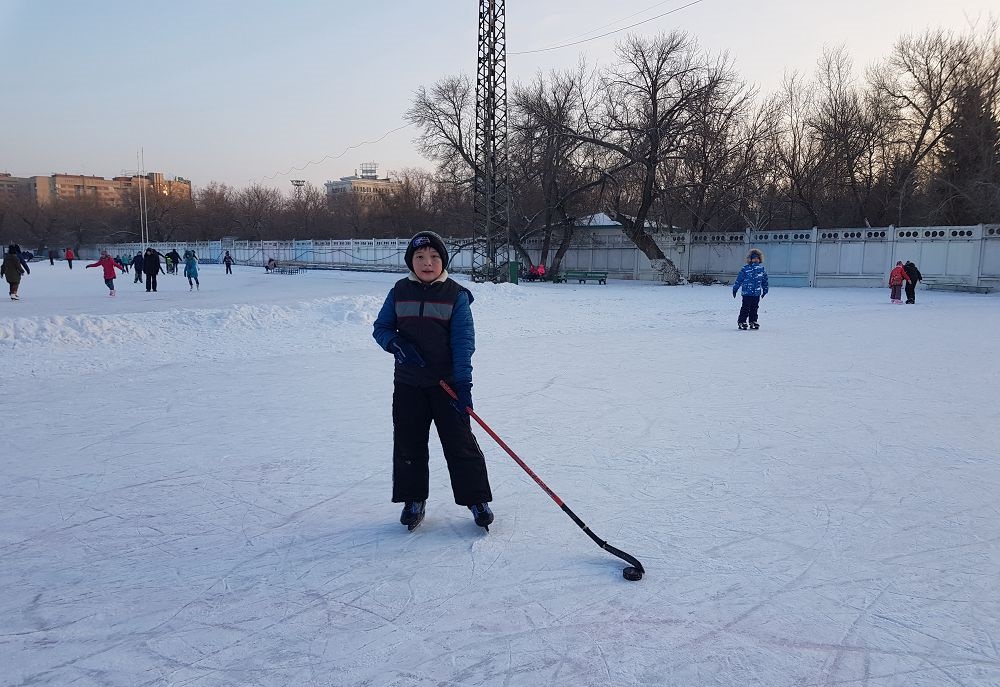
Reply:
x=898, y=275
x=109, y=265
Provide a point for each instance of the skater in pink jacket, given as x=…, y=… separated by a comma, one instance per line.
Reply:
x=109, y=265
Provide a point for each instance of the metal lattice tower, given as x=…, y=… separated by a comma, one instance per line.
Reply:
x=490, y=239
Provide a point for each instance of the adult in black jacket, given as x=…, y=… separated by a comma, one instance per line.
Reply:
x=151, y=267
x=911, y=286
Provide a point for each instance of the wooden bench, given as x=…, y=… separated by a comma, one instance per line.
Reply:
x=582, y=276
x=955, y=286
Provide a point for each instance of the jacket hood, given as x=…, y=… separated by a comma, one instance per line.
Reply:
x=755, y=251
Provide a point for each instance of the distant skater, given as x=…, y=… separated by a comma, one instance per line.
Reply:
x=137, y=264
x=191, y=270
x=753, y=279
x=109, y=265
x=70, y=257
x=151, y=267
x=911, y=286
x=228, y=260
x=896, y=279
x=11, y=270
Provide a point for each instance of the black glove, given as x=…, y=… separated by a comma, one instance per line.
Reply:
x=405, y=352
x=734, y=294
x=764, y=293
x=464, y=392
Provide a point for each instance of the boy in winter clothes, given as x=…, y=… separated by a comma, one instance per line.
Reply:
x=228, y=261
x=753, y=279
x=426, y=323
x=109, y=265
x=911, y=285
x=11, y=270
x=896, y=279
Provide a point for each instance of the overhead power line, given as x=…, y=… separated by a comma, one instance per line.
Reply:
x=624, y=28
x=332, y=157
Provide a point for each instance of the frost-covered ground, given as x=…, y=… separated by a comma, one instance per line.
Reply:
x=195, y=489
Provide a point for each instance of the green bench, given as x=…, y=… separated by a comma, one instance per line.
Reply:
x=582, y=276
x=935, y=285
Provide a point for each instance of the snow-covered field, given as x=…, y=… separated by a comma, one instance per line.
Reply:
x=195, y=489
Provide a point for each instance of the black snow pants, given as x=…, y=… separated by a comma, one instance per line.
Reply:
x=413, y=410
x=911, y=292
x=151, y=282
x=749, y=309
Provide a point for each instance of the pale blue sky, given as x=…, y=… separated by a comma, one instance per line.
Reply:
x=240, y=91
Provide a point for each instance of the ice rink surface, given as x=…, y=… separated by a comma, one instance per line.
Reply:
x=196, y=489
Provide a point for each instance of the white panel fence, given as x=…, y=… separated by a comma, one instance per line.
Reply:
x=968, y=255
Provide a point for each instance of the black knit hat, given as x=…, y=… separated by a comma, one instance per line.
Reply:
x=422, y=239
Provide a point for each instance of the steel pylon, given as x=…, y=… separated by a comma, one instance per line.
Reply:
x=490, y=238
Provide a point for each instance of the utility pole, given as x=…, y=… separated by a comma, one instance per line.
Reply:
x=298, y=184
x=491, y=238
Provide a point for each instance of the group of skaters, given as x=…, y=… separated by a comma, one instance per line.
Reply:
x=147, y=263
x=67, y=253
x=904, y=274
x=144, y=263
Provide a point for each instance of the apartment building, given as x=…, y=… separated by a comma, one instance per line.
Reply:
x=106, y=192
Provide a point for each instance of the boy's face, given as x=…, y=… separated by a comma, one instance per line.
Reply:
x=427, y=264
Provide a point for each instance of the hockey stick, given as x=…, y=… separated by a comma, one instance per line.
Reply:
x=633, y=573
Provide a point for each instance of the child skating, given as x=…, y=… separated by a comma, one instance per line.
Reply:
x=426, y=323
x=191, y=270
x=753, y=279
x=109, y=265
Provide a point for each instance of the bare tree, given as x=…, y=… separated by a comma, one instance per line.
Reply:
x=922, y=78
x=256, y=207
x=446, y=118
x=644, y=110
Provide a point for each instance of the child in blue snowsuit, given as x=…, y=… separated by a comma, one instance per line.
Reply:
x=753, y=279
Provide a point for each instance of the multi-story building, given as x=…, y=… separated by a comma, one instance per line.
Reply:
x=106, y=192
x=367, y=186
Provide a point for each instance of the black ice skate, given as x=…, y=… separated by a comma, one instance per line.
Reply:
x=741, y=325
x=483, y=515
x=754, y=325
x=413, y=514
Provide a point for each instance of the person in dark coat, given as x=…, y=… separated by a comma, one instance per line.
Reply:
x=151, y=267
x=53, y=254
x=11, y=269
x=137, y=261
x=911, y=286
x=228, y=261
x=426, y=324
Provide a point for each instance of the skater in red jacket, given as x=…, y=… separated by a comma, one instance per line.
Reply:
x=896, y=279
x=109, y=265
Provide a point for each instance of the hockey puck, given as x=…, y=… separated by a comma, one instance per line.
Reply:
x=632, y=574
